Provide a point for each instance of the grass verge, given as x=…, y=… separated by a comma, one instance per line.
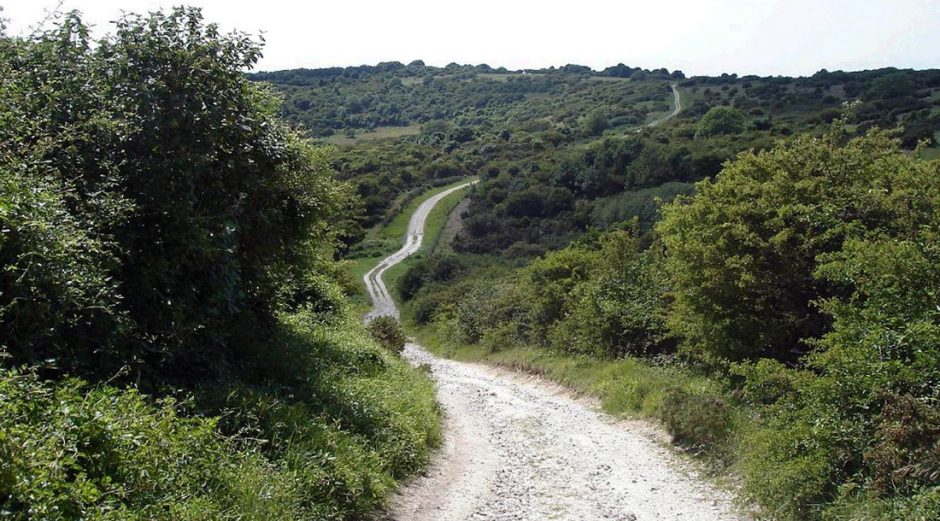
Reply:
x=696, y=411
x=399, y=224
x=320, y=425
x=432, y=230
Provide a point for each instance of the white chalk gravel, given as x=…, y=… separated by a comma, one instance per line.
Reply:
x=518, y=448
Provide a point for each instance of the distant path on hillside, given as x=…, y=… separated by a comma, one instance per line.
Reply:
x=522, y=449
x=382, y=302
x=677, y=102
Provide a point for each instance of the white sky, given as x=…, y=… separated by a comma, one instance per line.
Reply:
x=770, y=37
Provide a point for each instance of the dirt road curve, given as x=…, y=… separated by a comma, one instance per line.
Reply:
x=677, y=108
x=518, y=448
x=382, y=303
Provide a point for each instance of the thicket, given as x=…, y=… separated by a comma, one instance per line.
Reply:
x=804, y=278
x=174, y=338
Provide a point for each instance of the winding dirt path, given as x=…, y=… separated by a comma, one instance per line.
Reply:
x=677, y=108
x=519, y=448
x=382, y=302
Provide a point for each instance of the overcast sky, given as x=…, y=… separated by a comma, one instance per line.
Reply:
x=771, y=37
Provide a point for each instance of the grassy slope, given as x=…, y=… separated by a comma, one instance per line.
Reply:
x=324, y=429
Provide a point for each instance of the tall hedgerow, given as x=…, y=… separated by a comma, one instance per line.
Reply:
x=154, y=207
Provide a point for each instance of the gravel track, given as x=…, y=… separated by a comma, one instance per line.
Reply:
x=518, y=448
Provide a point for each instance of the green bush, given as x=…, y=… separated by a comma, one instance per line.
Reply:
x=170, y=211
x=388, y=333
x=766, y=381
x=743, y=252
x=720, y=120
x=74, y=452
x=698, y=421
x=620, y=308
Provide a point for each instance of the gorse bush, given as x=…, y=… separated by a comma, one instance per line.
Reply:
x=701, y=422
x=388, y=333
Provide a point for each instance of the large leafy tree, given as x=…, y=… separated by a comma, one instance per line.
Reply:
x=150, y=182
x=744, y=250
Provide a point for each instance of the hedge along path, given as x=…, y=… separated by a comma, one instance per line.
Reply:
x=519, y=448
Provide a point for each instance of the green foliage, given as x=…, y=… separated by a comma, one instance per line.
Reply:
x=159, y=225
x=326, y=426
x=388, y=333
x=621, y=308
x=743, y=252
x=869, y=414
x=766, y=381
x=813, y=264
x=490, y=307
x=435, y=269
x=58, y=299
x=326, y=101
x=342, y=414
x=605, y=297
x=905, y=455
x=720, y=120
x=701, y=422
x=72, y=452
x=897, y=85
x=595, y=123
x=642, y=205
x=183, y=213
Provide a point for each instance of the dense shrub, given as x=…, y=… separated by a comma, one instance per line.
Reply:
x=721, y=120
x=701, y=422
x=857, y=420
x=743, y=252
x=620, y=308
x=177, y=203
x=388, y=333
x=72, y=452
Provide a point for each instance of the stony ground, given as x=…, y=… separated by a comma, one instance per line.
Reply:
x=520, y=448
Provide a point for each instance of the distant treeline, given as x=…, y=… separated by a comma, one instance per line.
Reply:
x=417, y=68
